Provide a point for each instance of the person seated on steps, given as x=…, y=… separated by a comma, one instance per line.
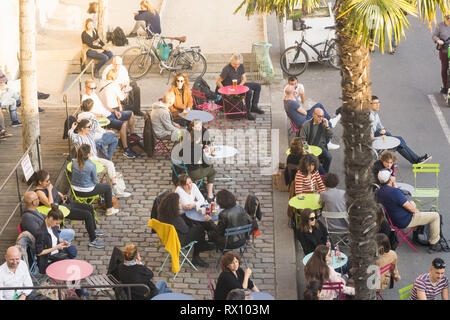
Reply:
x=120, y=120
x=146, y=18
x=235, y=71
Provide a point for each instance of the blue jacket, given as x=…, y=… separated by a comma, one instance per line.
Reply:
x=84, y=178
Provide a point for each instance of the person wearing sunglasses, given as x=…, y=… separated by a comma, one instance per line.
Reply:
x=310, y=231
x=430, y=285
x=183, y=98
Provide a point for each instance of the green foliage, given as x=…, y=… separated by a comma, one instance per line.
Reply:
x=281, y=8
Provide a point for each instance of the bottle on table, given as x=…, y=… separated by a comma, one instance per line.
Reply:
x=213, y=208
x=208, y=209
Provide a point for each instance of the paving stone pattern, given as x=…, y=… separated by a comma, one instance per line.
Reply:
x=146, y=178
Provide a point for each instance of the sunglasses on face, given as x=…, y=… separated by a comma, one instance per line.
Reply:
x=312, y=218
x=92, y=88
x=439, y=265
x=180, y=80
x=88, y=127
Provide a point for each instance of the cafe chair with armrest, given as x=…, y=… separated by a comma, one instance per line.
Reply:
x=403, y=235
x=203, y=104
x=383, y=270
x=332, y=286
x=245, y=230
x=426, y=195
x=343, y=237
x=169, y=238
x=405, y=292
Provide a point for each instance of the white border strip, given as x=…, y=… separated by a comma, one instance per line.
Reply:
x=440, y=117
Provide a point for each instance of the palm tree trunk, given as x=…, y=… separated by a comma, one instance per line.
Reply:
x=356, y=95
x=30, y=114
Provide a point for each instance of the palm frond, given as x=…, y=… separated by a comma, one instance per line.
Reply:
x=281, y=8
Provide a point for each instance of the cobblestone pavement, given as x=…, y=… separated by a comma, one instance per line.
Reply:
x=146, y=179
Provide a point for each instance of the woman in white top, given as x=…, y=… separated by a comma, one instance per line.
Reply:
x=190, y=195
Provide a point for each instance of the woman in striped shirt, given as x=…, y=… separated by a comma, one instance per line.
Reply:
x=307, y=179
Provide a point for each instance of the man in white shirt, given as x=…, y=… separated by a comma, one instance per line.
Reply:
x=14, y=273
x=300, y=97
x=119, y=119
x=130, y=89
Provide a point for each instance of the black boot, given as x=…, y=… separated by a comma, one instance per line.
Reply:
x=198, y=262
x=257, y=110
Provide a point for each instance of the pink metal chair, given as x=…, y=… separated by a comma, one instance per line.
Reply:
x=383, y=270
x=402, y=234
x=294, y=129
x=211, y=287
x=237, y=110
x=335, y=286
x=201, y=103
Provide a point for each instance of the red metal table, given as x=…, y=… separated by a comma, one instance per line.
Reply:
x=228, y=106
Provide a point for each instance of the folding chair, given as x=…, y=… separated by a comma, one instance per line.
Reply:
x=234, y=111
x=402, y=234
x=342, y=236
x=85, y=200
x=211, y=287
x=332, y=286
x=405, y=292
x=176, y=167
x=430, y=193
x=235, y=231
x=201, y=103
x=161, y=146
x=383, y=270
x=169, y=238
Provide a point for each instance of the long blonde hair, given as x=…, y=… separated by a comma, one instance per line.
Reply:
x=147, y=6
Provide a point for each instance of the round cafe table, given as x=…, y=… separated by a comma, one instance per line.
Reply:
x=261, y=296
x=221, y=152
x=406, y=187
x=388, y=142
x=173, y=296
x=203, y=116
x=98, y=165
x=230, y=90
x=232, y=107
x=337, y=262
x=193, y=214
x=103, y=121
x=45, y=210
x=315, y=150
x=311, y=201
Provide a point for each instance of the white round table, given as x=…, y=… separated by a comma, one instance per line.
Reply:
x=221, y=152
x=387, y=143
x=261, y=296
x=406, y=187
x=203, y=116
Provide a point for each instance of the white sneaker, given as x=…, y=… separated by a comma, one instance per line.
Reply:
x=335, y=120
x=123, y=195
x=112, y=211
x=332, y=146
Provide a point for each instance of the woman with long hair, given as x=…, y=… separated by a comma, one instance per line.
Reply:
x=293, y=159
x=183, y=97
x=232, y=276
x=318, y=268
x=48, y=196
x=190, y=195
x=80, y=134
x=85, y=180
x=310, y=231
x=169, y=212
x=313, y=290
x=133, y=271
x=147, y=18
x=307, y=179
x=93, y=46
x=386, y=256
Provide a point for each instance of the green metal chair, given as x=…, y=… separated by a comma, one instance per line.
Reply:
x=405, y=292
x=430, y=195
x=45, y=210
x=85, y=200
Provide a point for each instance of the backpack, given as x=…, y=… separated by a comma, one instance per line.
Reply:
x=201, y=85
x=134, y=143
x=149, y=143
x=118, y=37
x=421, y=235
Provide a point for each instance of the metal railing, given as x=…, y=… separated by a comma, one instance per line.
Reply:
x=65, y=287
x=80, y=88
x=36, y=142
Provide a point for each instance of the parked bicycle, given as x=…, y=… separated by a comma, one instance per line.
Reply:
x=294, y=60
x=176, y=59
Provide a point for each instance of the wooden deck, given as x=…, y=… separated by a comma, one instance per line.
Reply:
x=53, y=154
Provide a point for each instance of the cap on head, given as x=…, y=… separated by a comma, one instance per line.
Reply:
x=384, y=176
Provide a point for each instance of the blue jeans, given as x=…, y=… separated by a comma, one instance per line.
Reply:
x=71, y=251
x=103, y=57
x=107, y=144
x=403, y=148
x=67, y=234
x=12, y=106
x=161, y=285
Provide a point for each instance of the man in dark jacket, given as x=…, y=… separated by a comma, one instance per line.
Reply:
x=32, y=219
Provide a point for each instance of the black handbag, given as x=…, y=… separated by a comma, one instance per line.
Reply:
x=61, y=255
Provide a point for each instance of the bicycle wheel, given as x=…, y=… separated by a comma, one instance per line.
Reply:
x=129, y=55
x=294, y=61
x=192, y=63
x=333, y=55
x=140, y=66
